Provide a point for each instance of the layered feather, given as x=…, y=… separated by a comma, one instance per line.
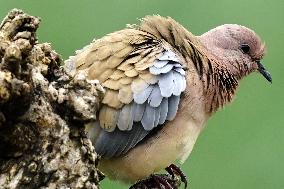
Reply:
x=143, y=76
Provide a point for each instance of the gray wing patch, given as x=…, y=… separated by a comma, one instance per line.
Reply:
x=152, y=105
x=155, y=98
x=166, y=84
x=117, y=142
x=172, y=107
x=164, y=111
x=163, y=100
x=160, y=99
x=148, y=118
x=138, y=111
x=142, y=96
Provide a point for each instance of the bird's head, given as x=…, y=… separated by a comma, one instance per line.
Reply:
x=239, y=48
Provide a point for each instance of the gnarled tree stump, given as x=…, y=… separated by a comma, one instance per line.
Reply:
x=42, y=113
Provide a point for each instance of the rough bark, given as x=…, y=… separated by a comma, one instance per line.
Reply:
x=42, y=113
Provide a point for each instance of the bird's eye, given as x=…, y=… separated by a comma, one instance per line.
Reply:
x=245, y=48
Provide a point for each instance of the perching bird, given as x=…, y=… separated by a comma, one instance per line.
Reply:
x=162, y=84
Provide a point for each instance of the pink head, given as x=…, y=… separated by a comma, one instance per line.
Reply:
x=239, y=48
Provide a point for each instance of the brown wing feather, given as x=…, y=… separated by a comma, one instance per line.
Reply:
x=117, y=60
x=121, y=61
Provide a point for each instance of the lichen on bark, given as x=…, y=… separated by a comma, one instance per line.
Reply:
x=42, y=113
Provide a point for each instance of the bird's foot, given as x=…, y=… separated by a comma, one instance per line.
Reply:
x=157, y=181
x=174, y=170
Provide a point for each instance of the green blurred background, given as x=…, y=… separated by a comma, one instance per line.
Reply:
x=242, y=145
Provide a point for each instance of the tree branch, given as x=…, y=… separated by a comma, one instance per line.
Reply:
x=42, y=112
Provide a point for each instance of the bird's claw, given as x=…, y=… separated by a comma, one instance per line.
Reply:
x=174, y=170
x=163, y=181
x=157, y=181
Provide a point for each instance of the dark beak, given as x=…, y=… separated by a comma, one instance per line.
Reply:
x=264, y=72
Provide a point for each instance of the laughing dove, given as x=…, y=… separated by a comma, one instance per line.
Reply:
x=162, y=84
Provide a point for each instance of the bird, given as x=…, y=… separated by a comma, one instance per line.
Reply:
x=162, y=84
